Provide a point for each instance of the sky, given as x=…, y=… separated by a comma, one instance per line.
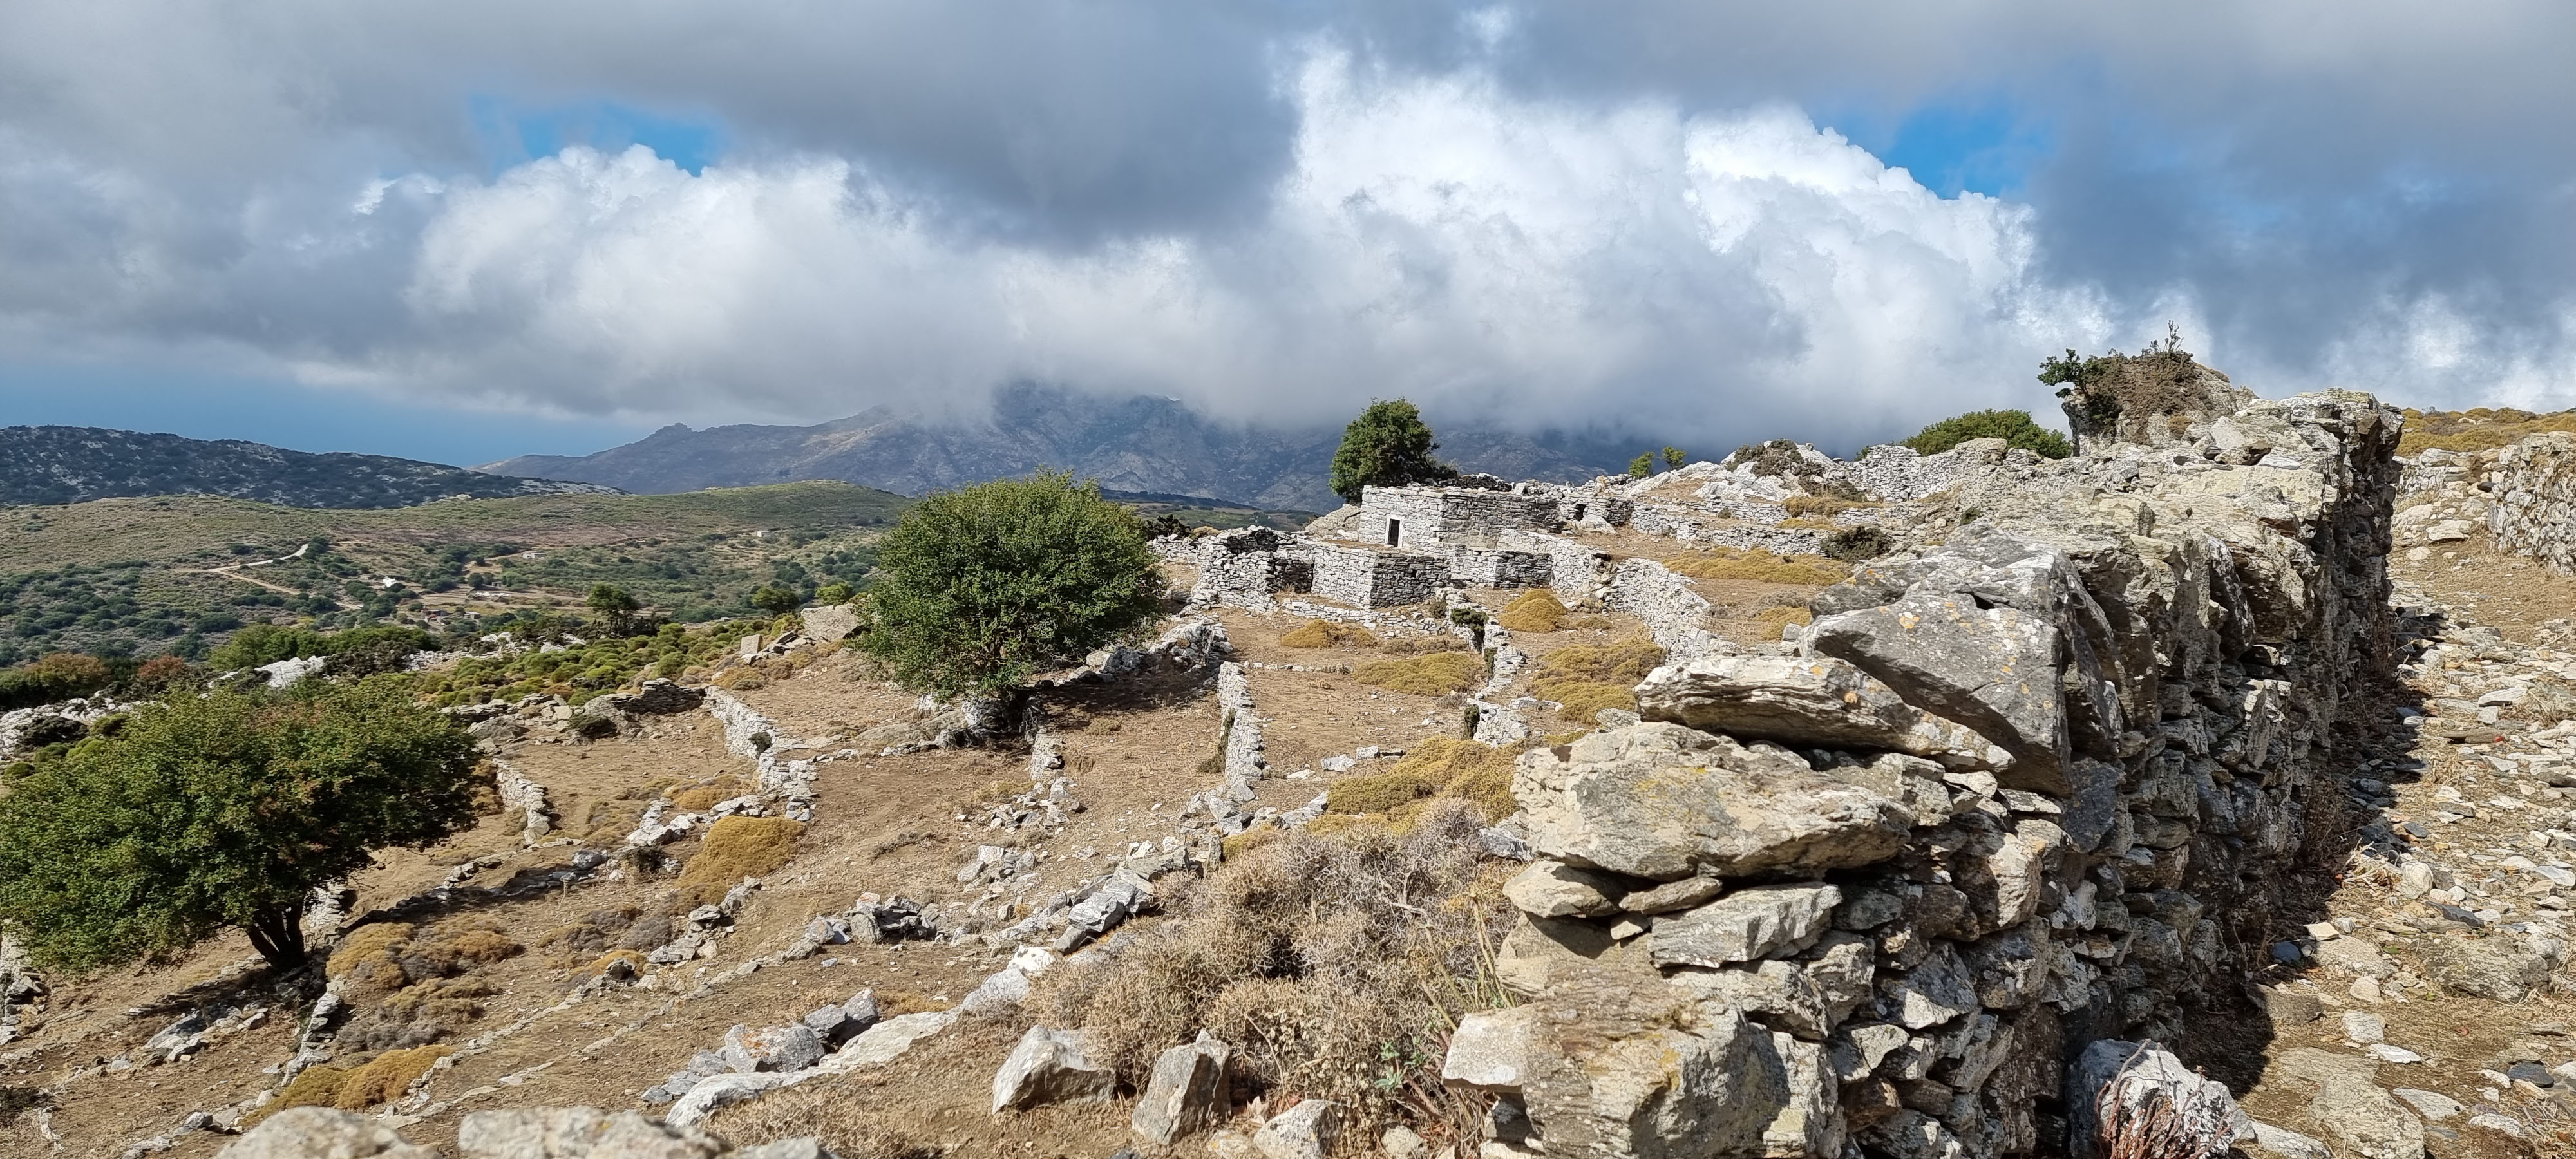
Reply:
x=468, y=229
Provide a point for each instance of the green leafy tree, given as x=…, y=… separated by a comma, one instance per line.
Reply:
x=979, y=589
x=1387, y=446
x=2014, y=427
x=776, y=600
x=1641, y=466
x=223, y=810
x=835, y=592
x=616, y=608
x=1673, y=458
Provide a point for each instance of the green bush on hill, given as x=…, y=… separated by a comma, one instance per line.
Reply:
x=981, y=588
x=2015, y=427
x=223, y=810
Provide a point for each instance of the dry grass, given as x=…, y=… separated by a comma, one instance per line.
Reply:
x=700, y=797
x=1328, y=634
x=1536, y=610
x=314, y=1086
x=735, y=848
x=2477, y=429
x=1823, y=506
x=1436, y=674
x=1378, y=792
x=742, y=679
x=1591, y=677
x=1418, y=645
x=1780, y=616
x=386, y=1078
x=1336, y=965
x=1757, y=565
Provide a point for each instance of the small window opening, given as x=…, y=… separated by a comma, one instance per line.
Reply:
x=1394, y=532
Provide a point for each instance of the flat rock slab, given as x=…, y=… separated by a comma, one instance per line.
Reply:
x=1744, y=926
x=1664, y=802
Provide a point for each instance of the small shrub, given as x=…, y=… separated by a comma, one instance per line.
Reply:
x=1537, y=610
x=1328, y=634
x=1334, y=964
x=1823, y=506
x=2015, y=427
x=1435, y=674
x=735, y=848
x=1378, y=792
x=386, y=1078
x=314, y=1086
x=742, y=679
x=1857, y=544
x=1417, y=645
x=1757, y=565
x=1589, y=678
x=1781, y=616
x=1478, y=774
x=703, y=796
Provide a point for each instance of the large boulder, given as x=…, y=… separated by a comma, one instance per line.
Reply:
x=776, y=1048
x=2133, y=1080
x=1993, y=669
x=1187, y=1093
x=1665, y=802
x=1744, y=926
x=2363, y=1119
x=1807, y=700
x=1049, y=1067
x=576, y=1133
x=2503, y=967
x=1649, y=1074
x=322, y=1133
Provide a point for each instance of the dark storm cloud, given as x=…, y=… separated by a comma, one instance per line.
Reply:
x=1558, y=213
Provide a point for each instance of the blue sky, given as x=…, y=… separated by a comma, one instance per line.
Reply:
x=470, y=229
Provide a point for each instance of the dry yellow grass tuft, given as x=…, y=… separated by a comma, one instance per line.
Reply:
x=1823, y=506
x=365, y=958
x=1757, y=565
x=1328, y=634
x=314, y=1086
x=742, y=679
x=735, y=848
x=1334, y=965
x=1435, y=674
x=1779, y=617
x=1427, y=642
x=1378, y=792
x=1536, y=610
x=387, y=1077
x=2477, y=429
x=1436, y=768
x=1591, y=677
x=700, y=797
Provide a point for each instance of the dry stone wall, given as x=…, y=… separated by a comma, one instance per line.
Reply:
x=2531, y=489
x=2021, y=792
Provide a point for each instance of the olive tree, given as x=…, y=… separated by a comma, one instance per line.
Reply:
x=1388, y=445
x=221, y=810
x=977, y=590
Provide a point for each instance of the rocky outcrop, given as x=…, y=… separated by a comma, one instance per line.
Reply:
x=2020, y=792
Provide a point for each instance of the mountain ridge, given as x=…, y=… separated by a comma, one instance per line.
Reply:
x=66, y=464
x=1137, y=444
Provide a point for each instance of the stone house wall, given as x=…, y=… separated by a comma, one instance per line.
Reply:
x=2532, y=489
x=1365, y=578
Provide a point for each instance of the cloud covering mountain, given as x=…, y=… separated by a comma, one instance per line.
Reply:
x=1654, y=218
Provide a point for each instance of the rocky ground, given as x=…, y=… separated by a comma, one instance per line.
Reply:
x=2425, y=1005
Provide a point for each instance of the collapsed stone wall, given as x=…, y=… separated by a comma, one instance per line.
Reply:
x=2030, y=789
x=2531, y=489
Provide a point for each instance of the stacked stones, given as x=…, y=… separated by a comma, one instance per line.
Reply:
x=2019, y=793
x=2533, y=487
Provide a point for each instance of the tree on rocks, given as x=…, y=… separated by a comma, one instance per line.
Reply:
x=616, y=607
x=223, y=810
x=979, y=589
x=1387, y=446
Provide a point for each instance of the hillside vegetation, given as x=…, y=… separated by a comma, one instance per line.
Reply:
x=76, y=464
x=180, y=573
x=2477, y=428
